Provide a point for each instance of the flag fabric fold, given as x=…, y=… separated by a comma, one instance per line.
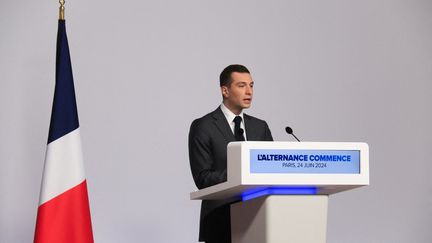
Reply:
x=63, y=213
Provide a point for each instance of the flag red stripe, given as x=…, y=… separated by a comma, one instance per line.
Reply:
x=65, y=218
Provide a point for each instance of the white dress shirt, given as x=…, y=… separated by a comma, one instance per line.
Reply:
x=230, y=119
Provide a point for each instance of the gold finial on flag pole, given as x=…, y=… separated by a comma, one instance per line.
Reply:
x=61, y=9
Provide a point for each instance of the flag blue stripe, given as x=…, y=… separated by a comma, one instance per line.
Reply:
x=64, y=115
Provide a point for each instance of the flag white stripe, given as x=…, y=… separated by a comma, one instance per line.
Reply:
x=64, y=166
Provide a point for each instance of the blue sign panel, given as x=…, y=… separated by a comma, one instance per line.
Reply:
x=305, y=161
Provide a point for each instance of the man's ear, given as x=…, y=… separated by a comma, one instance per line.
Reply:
x=224, y=90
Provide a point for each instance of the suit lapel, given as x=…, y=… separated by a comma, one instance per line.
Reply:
x=222, y=125
x=250, y=128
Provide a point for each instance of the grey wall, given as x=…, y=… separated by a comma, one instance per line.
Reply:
x=333, y=70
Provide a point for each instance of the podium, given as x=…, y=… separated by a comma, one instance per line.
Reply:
x=279, y=190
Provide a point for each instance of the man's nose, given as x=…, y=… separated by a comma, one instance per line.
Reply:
x=249, y=90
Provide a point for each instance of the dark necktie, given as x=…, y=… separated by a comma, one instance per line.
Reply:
x=238, y=132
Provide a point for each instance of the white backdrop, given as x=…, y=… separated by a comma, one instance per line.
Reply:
x=333, y=70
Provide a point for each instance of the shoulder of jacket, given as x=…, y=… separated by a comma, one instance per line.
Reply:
x=254, y=119
x=205, y=120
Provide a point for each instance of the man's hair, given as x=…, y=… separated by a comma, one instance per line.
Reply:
x=225, y=76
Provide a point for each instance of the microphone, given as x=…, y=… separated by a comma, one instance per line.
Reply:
x=290, y=131
x=241, y=135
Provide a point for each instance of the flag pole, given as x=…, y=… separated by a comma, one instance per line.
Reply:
x=61, y=9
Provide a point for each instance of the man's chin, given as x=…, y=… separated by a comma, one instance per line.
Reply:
x=246, y=106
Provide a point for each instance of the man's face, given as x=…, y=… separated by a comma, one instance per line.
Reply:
x=238, y=95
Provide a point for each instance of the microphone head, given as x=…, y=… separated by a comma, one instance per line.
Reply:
x=289, y=130
x=241, y=131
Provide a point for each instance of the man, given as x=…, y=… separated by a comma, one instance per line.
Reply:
x=208, y=140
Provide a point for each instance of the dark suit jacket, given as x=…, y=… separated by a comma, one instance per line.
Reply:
x=208, y=140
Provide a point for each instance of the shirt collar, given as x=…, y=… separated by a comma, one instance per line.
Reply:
x=229, y=115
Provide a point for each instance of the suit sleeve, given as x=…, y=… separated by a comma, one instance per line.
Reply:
x=201, y=158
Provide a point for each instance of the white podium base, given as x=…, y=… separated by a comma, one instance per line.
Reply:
x=280, y=219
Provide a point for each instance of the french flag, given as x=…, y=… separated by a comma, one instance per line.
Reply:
x=64, y=213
